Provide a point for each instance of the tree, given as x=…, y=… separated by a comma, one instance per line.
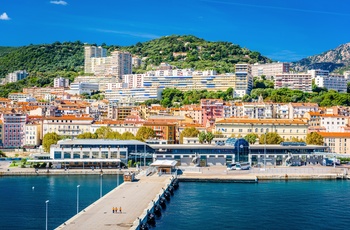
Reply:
x=145, y=133
x=127, y=136
x=251, y=138
x=202, y=137
x=103, y=131
x=272, y=138
x=209, y=137
x=314, y=138
x=113, y=135
x=188, y=132
x=2, y=154
x=50, y=139
x=87, y=135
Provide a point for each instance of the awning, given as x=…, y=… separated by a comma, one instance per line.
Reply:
x=164, y=163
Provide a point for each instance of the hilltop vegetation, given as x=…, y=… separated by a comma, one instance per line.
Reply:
x=67, y=56
x=192, y=52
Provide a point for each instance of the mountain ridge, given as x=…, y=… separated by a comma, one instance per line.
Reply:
x=336, y=59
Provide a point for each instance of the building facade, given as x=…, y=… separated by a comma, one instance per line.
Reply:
x=60, y=82
x=13, y=129
x=270, y=70
x=286, y=128
x=295, y=81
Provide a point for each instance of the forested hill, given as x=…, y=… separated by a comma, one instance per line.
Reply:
x=66, y=56
x=192, y=52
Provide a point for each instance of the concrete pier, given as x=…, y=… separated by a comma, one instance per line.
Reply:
x=135, y=198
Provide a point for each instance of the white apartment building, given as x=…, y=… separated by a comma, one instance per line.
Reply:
x=286, y=128
x=243, y=80
x=333, y=123
x=297, y=110
x=92, y=52
x=270, y=69
x=134, y=94
x=18, y=96
x=16, y=76
x=67, y=125
x=332, y=82
x=295, y=81
x=83, y=87
x=136, y=62
x=118, y=64
x=60, y=82
x=318, y=72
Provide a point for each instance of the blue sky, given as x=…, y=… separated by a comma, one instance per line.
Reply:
x=284, y=30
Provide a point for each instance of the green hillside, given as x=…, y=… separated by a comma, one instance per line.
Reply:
x=192, y=52
x=67, y=56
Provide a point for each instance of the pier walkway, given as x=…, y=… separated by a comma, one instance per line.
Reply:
x=134, y=198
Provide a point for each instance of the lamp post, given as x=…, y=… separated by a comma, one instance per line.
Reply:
x=101, y=175
x=78, y=198
x=47, y=202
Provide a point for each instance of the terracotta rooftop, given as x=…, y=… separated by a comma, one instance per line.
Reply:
x=335, y=134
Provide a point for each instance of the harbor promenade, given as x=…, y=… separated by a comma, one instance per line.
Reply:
x=133, y=197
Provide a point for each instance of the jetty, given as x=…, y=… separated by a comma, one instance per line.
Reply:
x=135, y=199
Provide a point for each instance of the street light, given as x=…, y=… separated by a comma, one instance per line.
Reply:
x=47, y=202
x=78, y=198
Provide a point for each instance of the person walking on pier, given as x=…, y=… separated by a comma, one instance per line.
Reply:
x=113, y=209
x=116, y=209
x=120, y=209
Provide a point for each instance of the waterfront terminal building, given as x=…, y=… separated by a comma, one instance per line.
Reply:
x=112, y=153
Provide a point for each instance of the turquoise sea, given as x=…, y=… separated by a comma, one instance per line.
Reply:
x=22, y=207
x=265, y=205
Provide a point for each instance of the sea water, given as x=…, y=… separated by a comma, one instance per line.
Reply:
x=22, y=199
x=264, y=205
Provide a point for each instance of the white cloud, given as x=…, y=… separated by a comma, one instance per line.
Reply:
x=60, y=2
x=4, y=16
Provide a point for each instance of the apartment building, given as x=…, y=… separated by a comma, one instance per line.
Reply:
x=212, y=109
x=243, y=80
x=13, y=129
x=270, y=70
x=338, y=142
x=83, y=87
x=297, y=110
x=67, y=125
x=332, y=82
x=164, y=130
x=32, y=134
x=333, y=123
x=16, y=76
x=41, y=93
x=193, y=111
x=117, y=64
x=318, y=72
x=295, y=81
x=286, y=128
x=18, y=96
x=60, y=82
x=92, y=52
x=134, y=94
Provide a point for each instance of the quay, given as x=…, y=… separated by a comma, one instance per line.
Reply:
x=135, y=198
